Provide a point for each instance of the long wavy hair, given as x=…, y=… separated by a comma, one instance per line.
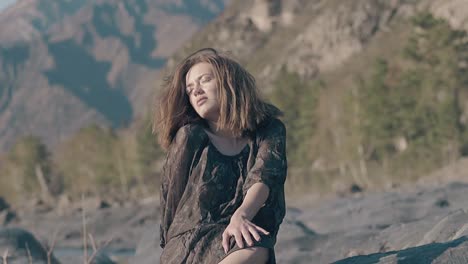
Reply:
x=242, y=110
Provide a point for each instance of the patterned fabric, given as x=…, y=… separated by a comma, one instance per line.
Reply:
x=201, y=188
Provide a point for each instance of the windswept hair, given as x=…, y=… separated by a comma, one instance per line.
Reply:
x=242, y=110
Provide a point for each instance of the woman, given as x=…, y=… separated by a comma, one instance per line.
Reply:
x=222, y=186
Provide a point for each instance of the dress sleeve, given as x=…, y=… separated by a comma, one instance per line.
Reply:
x=175, y=174
x=270, y=166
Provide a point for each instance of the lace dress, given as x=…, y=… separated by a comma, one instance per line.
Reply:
x=201, y=188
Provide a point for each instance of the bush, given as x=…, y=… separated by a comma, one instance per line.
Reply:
x=414, y=98
x=27, y=161
x=88, y=162
x=97, y=161
x=298, y=100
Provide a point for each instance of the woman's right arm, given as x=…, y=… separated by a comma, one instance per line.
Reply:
x=175, y=174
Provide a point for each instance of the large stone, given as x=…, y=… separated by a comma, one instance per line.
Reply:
x=148, y=249
x=102, y=258
x=6, y=216
x=77, y=258
x=19, y=246
x=452, y=252
x=3, y=204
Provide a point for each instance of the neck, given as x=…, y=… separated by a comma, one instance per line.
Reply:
x=220, y=133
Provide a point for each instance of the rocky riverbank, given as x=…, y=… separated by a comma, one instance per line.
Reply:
x=417, y=224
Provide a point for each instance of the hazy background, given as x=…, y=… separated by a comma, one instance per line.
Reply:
x=6, y=3
x=374, y=92
x=375, y=101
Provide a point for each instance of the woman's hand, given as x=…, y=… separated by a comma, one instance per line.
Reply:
x=241, y=227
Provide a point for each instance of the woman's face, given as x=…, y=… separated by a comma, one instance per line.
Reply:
x=202, y=90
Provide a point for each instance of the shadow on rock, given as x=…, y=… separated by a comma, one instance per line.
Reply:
x=6, y=213
x=102, y=258
x=455, y=251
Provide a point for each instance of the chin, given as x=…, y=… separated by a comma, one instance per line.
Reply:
x=208, y=115
x=202, y=115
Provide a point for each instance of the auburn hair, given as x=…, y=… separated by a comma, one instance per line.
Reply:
x=242, y=110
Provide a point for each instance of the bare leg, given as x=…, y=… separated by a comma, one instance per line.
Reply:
x=247, y=255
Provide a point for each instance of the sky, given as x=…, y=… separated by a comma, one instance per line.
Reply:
x=5, y=3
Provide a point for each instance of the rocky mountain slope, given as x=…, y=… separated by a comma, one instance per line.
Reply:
x=333, y=46
x=311, y=37
x=117, y=50
x=66, y=64
x=100, y=61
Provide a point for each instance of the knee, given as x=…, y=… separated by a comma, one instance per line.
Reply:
x=260, y=254
x=248, y=255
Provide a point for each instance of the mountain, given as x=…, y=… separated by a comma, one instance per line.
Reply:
x=310, y=37
x=80, y=62
x=6, y=3
x=365, y=100
x=368, y=87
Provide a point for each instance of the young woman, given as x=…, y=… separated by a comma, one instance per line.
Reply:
x=222, y=186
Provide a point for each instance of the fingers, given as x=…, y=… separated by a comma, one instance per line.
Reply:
x=251, y=231
x=245, y=232
x=226, y=237
x=262, y=230
x=247, y=237
x=238, y=237
x=254, y=233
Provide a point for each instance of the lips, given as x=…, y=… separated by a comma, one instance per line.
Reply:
x=201, y=100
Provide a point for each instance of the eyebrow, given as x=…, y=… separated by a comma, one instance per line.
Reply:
x=199, y=77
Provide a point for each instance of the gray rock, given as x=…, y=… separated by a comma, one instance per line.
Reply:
x=77, y=258
x=148, y=249
x=102, y=258
x=21, y=247
x=402, y=226
x=3, y=204
x=452, y=252
x=6, y=216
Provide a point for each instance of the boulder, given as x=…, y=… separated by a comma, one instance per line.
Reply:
x=148, y=249
x=102, y=258
x=19, y=246
x=452, y=252
x=6, y=216
x=3, y=204
x=75, y=258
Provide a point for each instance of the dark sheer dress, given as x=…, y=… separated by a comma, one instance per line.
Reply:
x=201, y=188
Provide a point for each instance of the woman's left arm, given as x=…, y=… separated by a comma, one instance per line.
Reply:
x=267, y=175
x=254, y=199
x=240, y=225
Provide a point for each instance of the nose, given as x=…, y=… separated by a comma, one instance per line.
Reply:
x=198, y=89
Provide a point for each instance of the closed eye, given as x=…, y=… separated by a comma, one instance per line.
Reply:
x=206, y=79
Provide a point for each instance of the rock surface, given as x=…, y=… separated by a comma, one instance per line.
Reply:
x=409, y=225
x=414, y=224
x=18, y=246
x=119, y=46
x=6, y=214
